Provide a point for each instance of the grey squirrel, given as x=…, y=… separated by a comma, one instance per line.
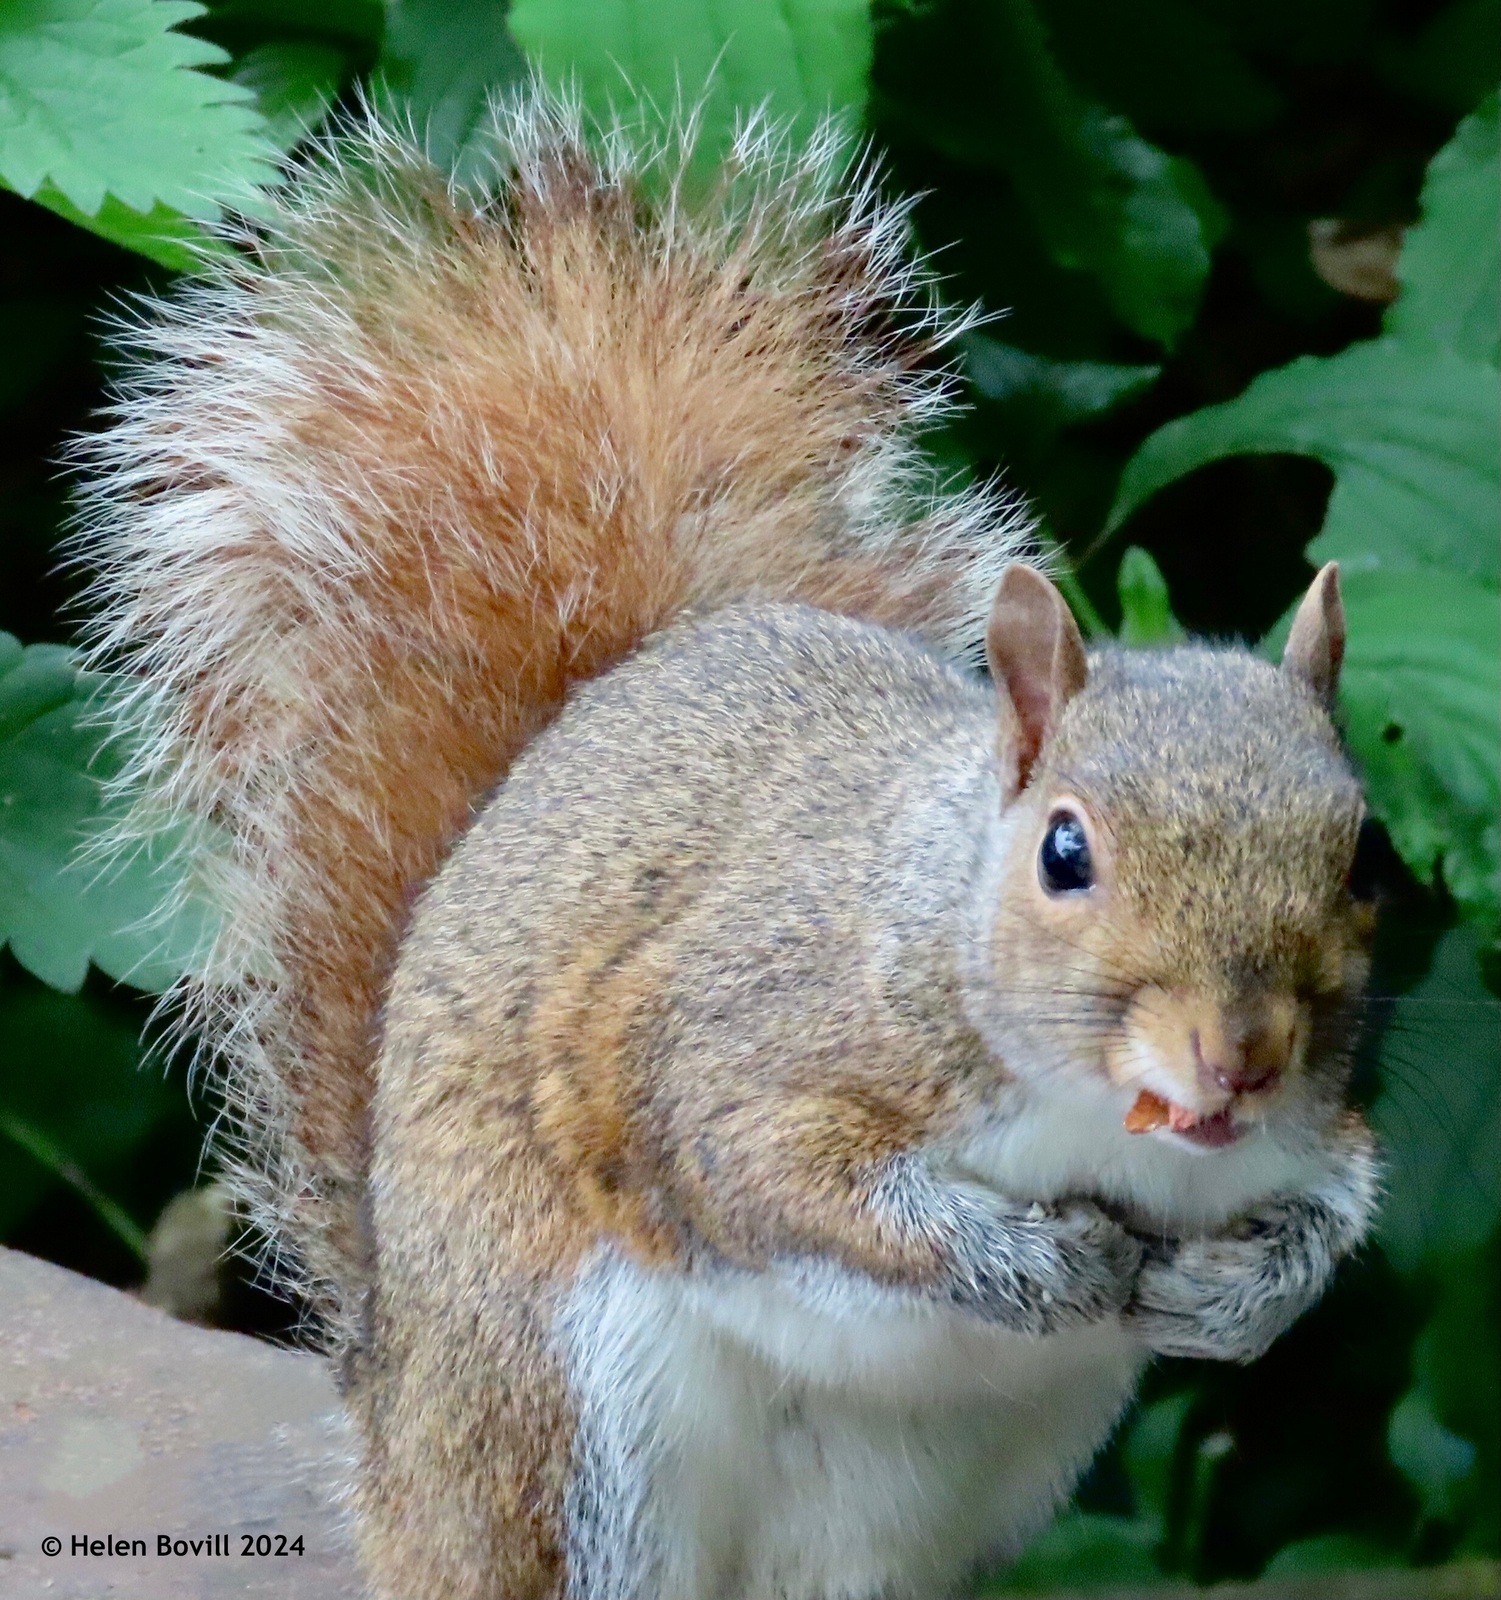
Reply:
x=745, y=1095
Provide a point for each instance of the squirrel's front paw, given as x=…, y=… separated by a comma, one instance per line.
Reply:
x=1228, y=1297
x=1041, y=1269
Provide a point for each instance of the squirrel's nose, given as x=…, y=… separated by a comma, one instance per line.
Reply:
x=1249, y=1064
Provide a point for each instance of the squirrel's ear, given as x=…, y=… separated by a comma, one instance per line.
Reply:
x=1036, y=659
x=1316, y=645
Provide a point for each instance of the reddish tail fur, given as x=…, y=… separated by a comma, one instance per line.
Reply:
x=382, y=487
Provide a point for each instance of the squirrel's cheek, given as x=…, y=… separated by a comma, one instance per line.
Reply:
x=1145, y=1051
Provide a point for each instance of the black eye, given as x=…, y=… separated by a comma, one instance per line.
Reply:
x=1063, y=864
x=1367, y=869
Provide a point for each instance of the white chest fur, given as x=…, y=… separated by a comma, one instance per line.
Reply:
x=808, y=1437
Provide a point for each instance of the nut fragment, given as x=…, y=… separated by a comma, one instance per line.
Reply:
x=1148, y=1111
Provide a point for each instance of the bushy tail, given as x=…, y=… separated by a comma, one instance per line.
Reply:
x=377, y=490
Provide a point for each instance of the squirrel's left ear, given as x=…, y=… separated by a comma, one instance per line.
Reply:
x=1037, y=661
x=1316, y=645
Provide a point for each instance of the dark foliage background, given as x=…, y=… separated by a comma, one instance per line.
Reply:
x=1246, y=312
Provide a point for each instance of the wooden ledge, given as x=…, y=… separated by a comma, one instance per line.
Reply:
x=119, y=1423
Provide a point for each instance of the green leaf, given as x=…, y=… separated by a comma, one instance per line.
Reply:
x=1329, y=1552
x=445, y=59
x=1058, y=393
x=162, y=234
x=1452, y=62
x=47, y=1155
x=1409, y=423
x=1412, y=436
x=1435, y=1461
x=1105, y=202
x=1146, y=607
x=74, y=1102
x=1460, y=1394
x=1450, y=265
x=58, y=910
x=1084, y=1550
x=1419, y=692
x=800, y=58
x=1164, y=63
x=1152, y=1447
x=101, y=97
x=294, y=83
x=32, y=683
x=1439, y=1113
x=1061, y=569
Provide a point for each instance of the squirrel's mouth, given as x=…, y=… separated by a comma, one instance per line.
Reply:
x=1213, y=1133
x=1152, y=1113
